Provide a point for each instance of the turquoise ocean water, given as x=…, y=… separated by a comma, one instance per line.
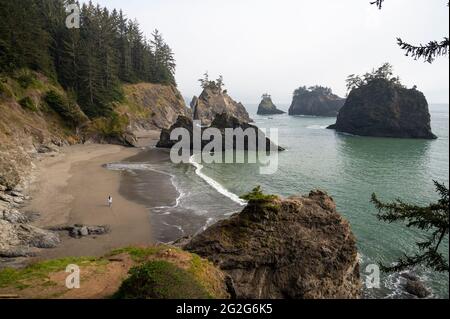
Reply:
x=349, y=168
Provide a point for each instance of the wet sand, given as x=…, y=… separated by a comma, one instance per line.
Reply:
x=73, y=187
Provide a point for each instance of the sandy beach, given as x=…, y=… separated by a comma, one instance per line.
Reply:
x=73, y=187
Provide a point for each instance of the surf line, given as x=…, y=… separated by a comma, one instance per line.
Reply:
x=148, y=167
x=214, y=184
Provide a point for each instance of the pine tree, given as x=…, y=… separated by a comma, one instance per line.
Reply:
x=433, y=218
x=91, y=61
x=428, y=52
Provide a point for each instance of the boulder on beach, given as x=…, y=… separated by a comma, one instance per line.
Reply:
x=266, y=107
x=298, y=247
x=315, y=101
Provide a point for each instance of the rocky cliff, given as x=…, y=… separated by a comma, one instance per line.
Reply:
x=153, y=106
x=220, y=122
x=315, y=101
x=214, y=101
x=382, y=108
x=37, y=116
x=298, y=247
x=266, y=107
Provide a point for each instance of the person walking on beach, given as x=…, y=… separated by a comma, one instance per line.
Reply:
x=110, y=201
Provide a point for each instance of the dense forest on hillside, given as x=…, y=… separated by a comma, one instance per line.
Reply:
x=91, y=61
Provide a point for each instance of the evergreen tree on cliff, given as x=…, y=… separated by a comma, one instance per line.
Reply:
x=92, y=61
x=428, y=52
x=433, y=218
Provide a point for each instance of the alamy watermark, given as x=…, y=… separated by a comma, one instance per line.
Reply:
x=73, y=280
x=73, y=19
x=233, y=146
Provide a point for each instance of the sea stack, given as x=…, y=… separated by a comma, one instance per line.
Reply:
x=266, y=107
x=384, y=108
x=214, y=101
x=315, y=101
x=221, y=122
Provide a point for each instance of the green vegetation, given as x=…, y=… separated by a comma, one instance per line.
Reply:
x=256, y=196
x=92, y=61
x=38, y=273
x=28, y=104
x=216, y=85
x=433, y=218
x=161, y=280
x=67, y=109
x=113, y=126
x=140, y=254
x=313, y=90
x=5, y=90
x=26, y=78
x=428, y=52
x=385, y=72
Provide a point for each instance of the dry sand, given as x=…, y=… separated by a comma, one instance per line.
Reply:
x=73, y=187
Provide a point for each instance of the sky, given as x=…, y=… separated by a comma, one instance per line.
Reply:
x=275, y=46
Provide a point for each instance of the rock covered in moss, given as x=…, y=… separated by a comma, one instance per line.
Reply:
x=298, y=247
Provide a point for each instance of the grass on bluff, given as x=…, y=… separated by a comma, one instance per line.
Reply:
x=38, y=273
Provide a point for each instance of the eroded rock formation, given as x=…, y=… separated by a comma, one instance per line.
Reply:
x=266, y=107
x=315, y=101
x=213, y=102
x=298, y=247
x=382, y=108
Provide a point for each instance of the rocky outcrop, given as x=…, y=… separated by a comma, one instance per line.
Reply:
x=213, y=102
x=153, y=106
x=266, y=107
x=221, y=122
x=382, y=108
x=414, y=286
x=17, y=237
x=298, y=247
x=79, y=231
x=316, y=101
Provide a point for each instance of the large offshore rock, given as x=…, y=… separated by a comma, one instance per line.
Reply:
x=316, y=101
x=266, y=107
x=213, y=102
x=221, y=122
x=384, y=109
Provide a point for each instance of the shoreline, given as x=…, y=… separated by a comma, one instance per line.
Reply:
x=72, y=188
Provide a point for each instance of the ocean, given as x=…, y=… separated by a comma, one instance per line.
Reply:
x=349, y=168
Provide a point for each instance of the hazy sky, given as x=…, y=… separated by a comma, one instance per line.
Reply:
x=275, y=46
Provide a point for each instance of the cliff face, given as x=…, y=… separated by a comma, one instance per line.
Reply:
x=29, y=126
x=266, y=107
x=153, y=106
x=383, y=109
x=37, y=116
x=298, y=247
x=316, y=103
x=214, y=102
